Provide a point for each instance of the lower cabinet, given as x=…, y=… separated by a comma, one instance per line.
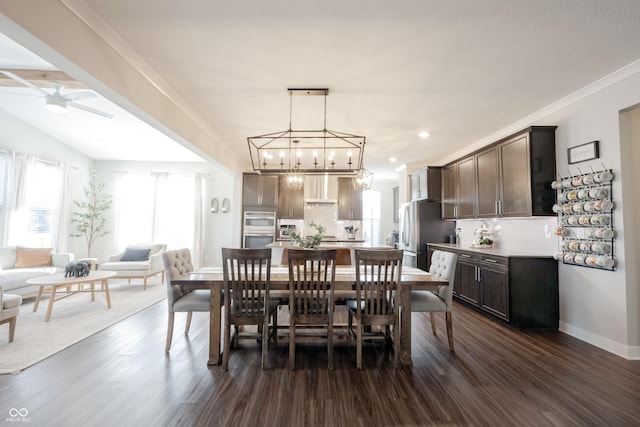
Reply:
x=520, y=290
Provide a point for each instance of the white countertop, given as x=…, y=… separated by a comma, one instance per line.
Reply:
x=331, y=244
x=492, y=251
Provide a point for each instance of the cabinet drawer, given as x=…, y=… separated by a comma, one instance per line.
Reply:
x=494, y=260
x=468, y=256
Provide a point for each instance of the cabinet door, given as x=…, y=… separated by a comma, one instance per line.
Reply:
x=356, y=204
x=487, y=178
x=515, y=177
x=290, y=202
x=449, y=196
x=297, y=203
x=415, y=186
x=349, y=200
x=495, y=292
x=466, y=188
x=251, y=189
x=468, y=287
x=269, y=190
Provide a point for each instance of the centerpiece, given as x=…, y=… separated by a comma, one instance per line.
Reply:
x=308, y=242
x=482, y=237
x=351, y=232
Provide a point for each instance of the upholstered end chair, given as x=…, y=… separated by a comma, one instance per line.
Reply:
x=443, y=264
x=137, y=261
x=178, y=264
x=9, y=310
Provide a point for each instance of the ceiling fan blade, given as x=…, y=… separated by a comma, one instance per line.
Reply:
x=89, y=109
x=23, y=81
x=79, y=95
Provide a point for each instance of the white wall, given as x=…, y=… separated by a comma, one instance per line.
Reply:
x=386, y=209
x=220, y=229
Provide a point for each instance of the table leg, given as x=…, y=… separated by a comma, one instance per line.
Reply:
x=214, y=325
x=93, y=291
x=51, y=300
x=405, y=325
x=105, y=286
x=35, y=306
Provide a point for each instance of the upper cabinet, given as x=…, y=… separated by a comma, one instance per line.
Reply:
x=290, y=202
x=349, y=200
x=259, y=190
x=511, y=178
x=426, y=184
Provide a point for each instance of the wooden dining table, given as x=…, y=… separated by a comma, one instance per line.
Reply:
x=211, y=278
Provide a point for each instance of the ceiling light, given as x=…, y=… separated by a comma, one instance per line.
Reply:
x=424, y=134
x=307, y=151
x=56, y=104
x=363, y=179
x=393, y=159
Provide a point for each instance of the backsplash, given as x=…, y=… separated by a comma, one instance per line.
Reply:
x=325, y=215
x=531, y=235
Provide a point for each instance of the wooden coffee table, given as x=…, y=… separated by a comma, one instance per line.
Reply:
x=53, y=282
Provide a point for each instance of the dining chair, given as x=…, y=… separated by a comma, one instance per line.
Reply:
x=177, y=263
x=378, y=275
x=311, y=279
x=247, y=276
x=443, y=264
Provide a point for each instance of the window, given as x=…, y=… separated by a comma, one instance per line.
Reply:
x=371, y=216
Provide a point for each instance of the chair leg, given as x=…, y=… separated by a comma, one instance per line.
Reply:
x=449, y=330
x=12, y=328
x=432, y=315
x=227, y=344
x=144, y=287
x=265, y=340
x=169, y=332
x=188, y=325
x=292, y=343
x=330, y=342
x=396, y=345
x=274, y=331
x=358, y=343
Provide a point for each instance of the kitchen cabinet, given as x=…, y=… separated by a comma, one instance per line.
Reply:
x=349, y=200
x=259, y=190
x=510, y=178
x=426, y=184
x=290, y=201
x=519, y=290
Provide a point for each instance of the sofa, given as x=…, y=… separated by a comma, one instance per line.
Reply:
x=19, y=264
x=137, y=261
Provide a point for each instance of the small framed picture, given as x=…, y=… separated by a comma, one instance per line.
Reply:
x=583, y=152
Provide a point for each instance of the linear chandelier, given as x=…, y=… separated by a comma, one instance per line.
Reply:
x=299, y=152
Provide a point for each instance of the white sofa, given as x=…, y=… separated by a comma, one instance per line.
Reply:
x=137, y=261
x=16, y=268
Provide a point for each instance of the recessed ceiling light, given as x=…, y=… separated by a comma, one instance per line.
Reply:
x=392, y=159
x=424, y=134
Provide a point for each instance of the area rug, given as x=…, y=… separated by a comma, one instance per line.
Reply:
x=73, y=319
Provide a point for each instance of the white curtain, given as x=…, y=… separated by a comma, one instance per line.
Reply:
x=60, y=231
x=198, y=220
x=19, y=174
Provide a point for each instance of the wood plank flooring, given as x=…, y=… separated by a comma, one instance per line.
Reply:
x=497, y=376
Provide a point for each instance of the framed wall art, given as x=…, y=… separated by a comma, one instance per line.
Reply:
x=583, y=152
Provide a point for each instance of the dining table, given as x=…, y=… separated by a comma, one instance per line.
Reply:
x=345, y=280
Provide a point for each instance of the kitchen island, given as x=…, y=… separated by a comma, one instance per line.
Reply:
x=278, y=246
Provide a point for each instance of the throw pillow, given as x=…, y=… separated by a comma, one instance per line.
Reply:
x=135, y=254
x=33, y=257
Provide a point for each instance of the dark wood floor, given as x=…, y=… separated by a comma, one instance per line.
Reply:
x=497, y=376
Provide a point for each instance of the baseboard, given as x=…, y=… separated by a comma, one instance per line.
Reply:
x=619, y=349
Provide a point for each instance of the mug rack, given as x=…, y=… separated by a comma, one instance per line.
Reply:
x=585, y=214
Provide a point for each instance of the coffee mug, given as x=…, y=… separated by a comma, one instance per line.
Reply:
x=556, y=185
x=602, y=177
x=576, y=181
x=587, y=179
x=604, y=261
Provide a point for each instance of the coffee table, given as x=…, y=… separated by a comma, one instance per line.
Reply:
x=53, y=282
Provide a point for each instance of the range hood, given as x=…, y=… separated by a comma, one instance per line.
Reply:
x=320, y=189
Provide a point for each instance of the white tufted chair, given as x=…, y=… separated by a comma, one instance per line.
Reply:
x=9, y=310
x=176, y=264
x=443, y=264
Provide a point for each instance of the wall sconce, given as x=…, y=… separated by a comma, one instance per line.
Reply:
x=225, y=205
x=214, y=205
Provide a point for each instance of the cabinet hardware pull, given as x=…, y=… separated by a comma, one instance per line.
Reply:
x=490, y=260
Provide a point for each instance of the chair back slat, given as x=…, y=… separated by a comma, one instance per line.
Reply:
x=377, y=277
x=311, y=278
x=247, y=274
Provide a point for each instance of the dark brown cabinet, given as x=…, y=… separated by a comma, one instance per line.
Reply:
x=290, y=201
x=511, y=178
x=259, y=190
x=349, y=200
x=520, y=290
x=426, y=184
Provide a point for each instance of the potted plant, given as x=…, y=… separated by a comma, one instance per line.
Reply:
x=351, y=232
x=88, y=217
x=309, y=242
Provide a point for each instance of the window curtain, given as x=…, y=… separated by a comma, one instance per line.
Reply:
x=61, y=223
x=19, y=173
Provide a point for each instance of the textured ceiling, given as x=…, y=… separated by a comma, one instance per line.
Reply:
x=461, y=70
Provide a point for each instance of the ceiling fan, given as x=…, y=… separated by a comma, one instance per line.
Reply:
x=57, y=101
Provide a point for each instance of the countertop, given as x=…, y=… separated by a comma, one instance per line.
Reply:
x=492, y=251
x=279, y=239
x=328, y=244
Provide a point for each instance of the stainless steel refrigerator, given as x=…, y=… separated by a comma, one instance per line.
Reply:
x=421, y=223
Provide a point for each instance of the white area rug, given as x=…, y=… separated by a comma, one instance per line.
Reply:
x=73, y=319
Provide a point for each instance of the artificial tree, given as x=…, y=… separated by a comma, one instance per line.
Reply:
x=89, y=217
